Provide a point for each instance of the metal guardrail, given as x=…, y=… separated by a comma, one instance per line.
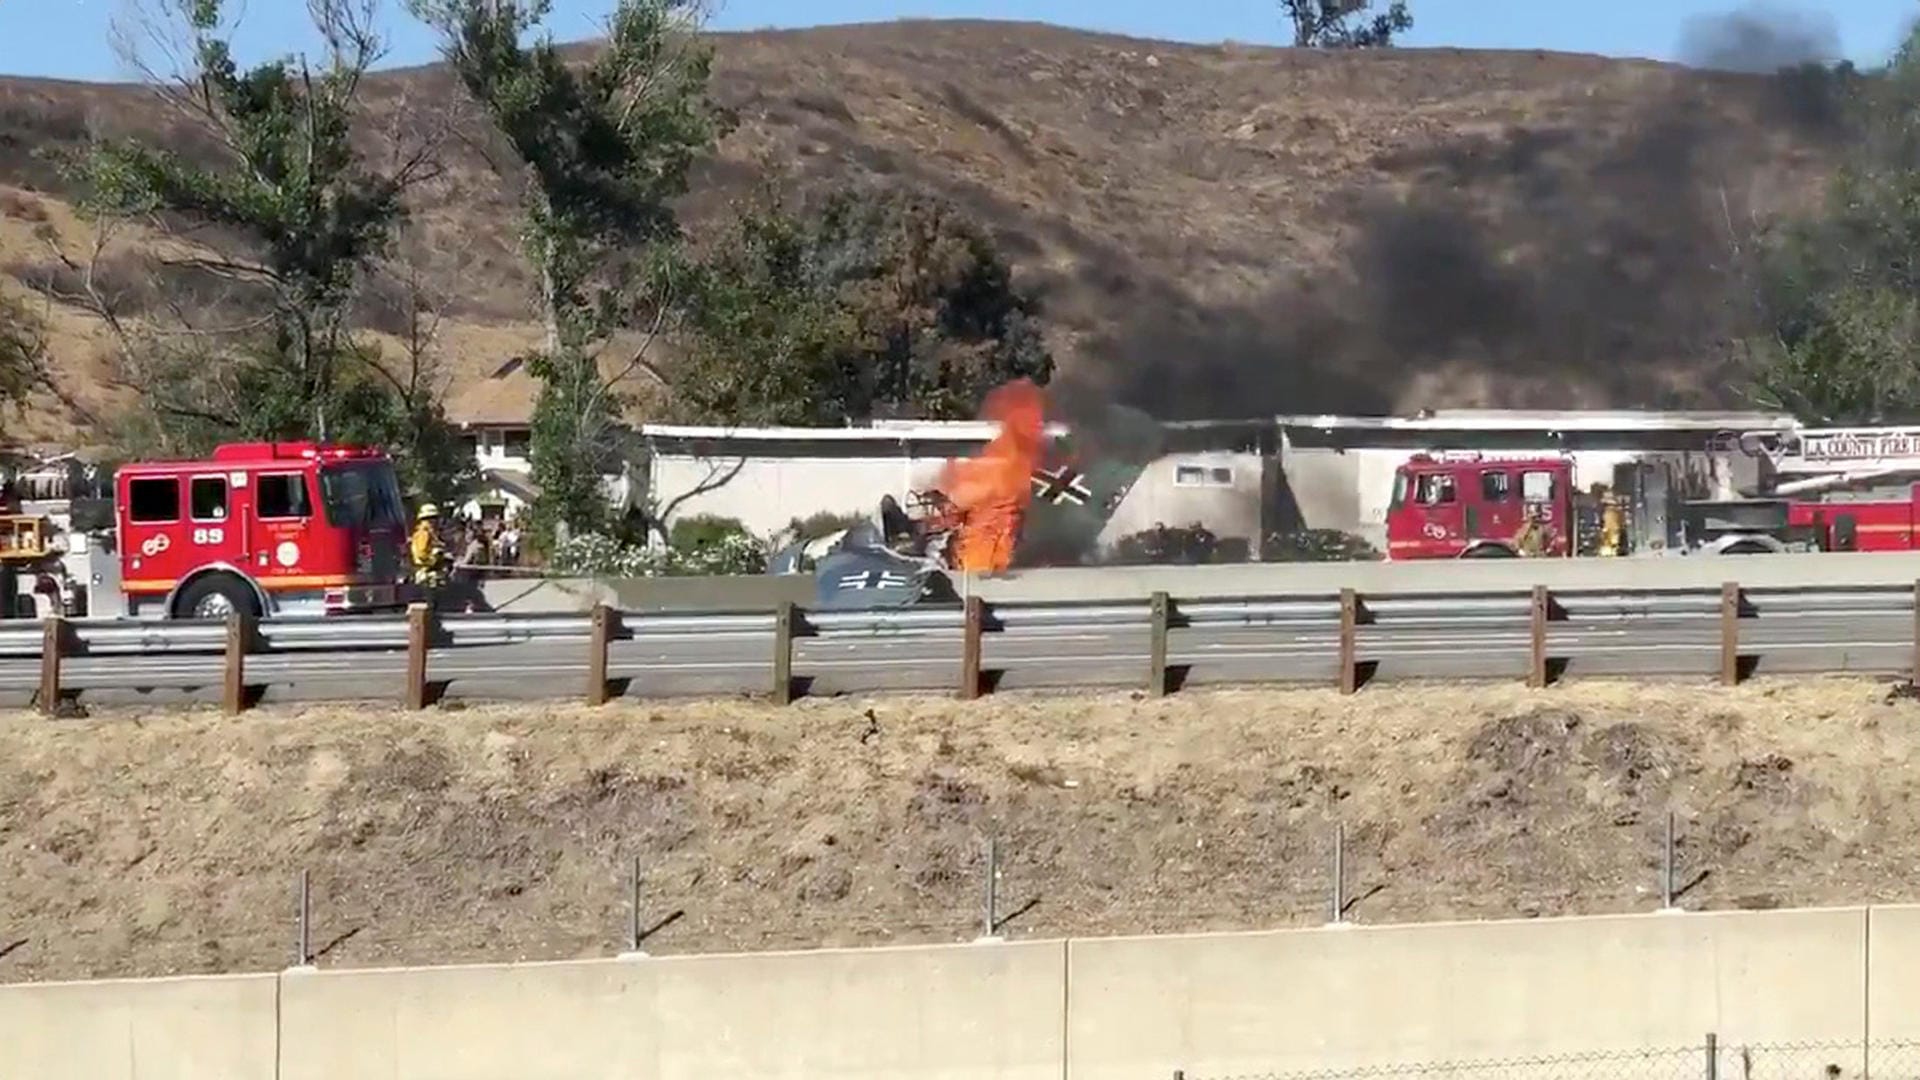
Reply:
x=1303, y=634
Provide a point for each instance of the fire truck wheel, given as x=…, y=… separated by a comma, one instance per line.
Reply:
x=215, y=597
x=1488, y=551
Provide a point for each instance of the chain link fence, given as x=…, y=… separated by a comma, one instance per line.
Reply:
x=1711, y=1059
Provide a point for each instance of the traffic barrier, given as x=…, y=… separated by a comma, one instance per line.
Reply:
x=1537, y=634
x=975, y=612
x=419, y=630
x=605, y=621
x=53, y=647
x=784, y=618
x=236, y=695
x=1162, y=613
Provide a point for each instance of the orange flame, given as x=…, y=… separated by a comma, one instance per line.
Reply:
x=989, y=494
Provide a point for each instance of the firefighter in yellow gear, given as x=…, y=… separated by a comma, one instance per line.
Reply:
x=429, y=554
x=1613, y=526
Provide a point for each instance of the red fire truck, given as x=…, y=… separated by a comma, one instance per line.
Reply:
x=1469, y=505
x=259, y=528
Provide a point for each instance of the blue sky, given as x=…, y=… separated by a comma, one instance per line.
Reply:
x=68, y=38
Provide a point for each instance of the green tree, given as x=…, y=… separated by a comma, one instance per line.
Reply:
x=1345, y=24
x=875, y=305
x=23, y=348
x=1838, y=291
x=303, y=213
x=603, y=148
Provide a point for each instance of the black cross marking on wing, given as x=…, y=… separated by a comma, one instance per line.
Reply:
x=1061, y=485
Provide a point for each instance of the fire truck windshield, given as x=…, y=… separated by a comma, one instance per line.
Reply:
x=362, y=494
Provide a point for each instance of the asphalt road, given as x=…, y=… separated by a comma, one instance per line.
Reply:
x=1494, y=646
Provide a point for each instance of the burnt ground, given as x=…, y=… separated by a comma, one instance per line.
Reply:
x=140, y=843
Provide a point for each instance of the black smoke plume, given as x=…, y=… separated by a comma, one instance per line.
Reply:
x=1760, y=40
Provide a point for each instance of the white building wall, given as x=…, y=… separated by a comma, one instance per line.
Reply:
x=491, y=450
x=766, y=494
x=1162, y=495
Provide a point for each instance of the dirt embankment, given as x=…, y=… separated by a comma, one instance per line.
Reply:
x=1215, y=230
x=145, y=843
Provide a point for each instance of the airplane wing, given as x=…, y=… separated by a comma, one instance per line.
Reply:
x=864, y=579
x=1071, y=504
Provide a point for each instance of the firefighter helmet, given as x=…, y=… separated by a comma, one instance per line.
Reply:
x=428, y=510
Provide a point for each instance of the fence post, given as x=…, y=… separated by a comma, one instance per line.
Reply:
x=419, y=627
x=1713, y=1055
x=1537, y=659
x=1157, y=646
x=240, y=638
x=783, y=653
x=976, y=616
x=633, y=910
x=53, y=645
x=1349, y=624
x=1729, y=633
x=303, y=925
x=990, y=916
x=1339, y=872
x=605, y=620
x=1668, y=867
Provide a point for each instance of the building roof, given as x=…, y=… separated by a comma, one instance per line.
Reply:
x=890, y=431
x=498, y=391
x=1549, y=420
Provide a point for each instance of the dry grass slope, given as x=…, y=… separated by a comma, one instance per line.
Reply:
x=1222, y=229
x=150, y=842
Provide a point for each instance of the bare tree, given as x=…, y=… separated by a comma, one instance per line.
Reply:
x=268, y=196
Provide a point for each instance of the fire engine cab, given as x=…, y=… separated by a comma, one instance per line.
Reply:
x=1465, y=505
x=256, y=528
x=262, y=529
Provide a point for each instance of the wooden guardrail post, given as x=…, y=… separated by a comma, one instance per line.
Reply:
x=236, y=696
x=53, y=647
x=1729, y=633
x=1157, y=645
x=783, y=620
x=1537, y=646
x=419, y=631
x=1349, y=634
x=606, y=622
x=976, y=620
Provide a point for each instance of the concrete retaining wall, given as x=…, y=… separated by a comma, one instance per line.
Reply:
x=214, y=1028
x=1819, y=569
x=952, y=1012
x=1823, y=569
x=1228, y=1004
x=1083, y=1010
x=1893, y=973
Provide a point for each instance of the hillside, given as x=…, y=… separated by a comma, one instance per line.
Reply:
x=152, y=841
x=1216, y=230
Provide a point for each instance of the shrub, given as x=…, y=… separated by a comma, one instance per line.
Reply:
x=824, y=523
x=602, y=556
x=702, y=530
x=1316, y=545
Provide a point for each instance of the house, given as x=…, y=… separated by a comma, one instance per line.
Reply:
x=1217, y=474
x=495, y=417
